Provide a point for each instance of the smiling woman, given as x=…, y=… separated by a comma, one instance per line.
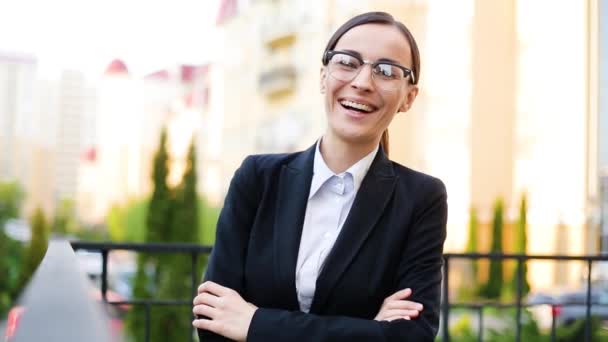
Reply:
x=335, y=243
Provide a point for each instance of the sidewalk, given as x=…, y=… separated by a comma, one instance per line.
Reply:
x=2, y=327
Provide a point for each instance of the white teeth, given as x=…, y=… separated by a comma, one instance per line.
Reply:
x=359, y=106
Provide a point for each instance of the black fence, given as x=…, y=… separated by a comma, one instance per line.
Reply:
x=519, y=304
x=194, y=250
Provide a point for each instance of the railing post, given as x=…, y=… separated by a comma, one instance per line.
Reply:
x=553, y=328
x=104, y=275
x=480, y=334
x=588, y=307
x=147, y=319
x=194, y=284
x=446, y=301
x=520, y=275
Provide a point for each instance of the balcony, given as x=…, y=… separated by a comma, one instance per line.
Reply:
x=279, y=32
x=278, y=81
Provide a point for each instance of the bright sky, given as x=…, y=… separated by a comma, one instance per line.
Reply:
x=88, y=34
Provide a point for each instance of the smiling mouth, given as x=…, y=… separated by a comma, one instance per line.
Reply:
x=358, y=107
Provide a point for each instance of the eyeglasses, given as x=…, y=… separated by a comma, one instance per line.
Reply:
x=345, y=66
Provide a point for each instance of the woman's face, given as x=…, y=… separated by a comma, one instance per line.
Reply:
x=377, y=106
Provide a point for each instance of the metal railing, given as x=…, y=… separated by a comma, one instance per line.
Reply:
x=104, y=248
x=196, y=250
x=519, y=305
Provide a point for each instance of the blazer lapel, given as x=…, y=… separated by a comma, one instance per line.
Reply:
x=371, y=199
x=292, y=199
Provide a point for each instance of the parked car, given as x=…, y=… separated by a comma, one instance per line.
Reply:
x=568, y=306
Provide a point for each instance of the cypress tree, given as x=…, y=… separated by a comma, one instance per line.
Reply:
x=520, y=246
x=11, y=197
x=472, y=246
x=495, y=278
x=160, y=204
x=174, y=322
x=37, y=247
x=157, y=223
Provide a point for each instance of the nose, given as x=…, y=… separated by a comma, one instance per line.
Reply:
x=363, y=80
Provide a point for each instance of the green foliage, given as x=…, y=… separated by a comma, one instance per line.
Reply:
x=520, y=247
x=472, y=287
x=171, y=215
x=175, y=280
x=157, y=223
x=65, y=221
x=11, y=256
x=11, y=251
x=576, y=331
x=11, y=198
x=207, y=221
x=493, y=287
x=128, y=223
x=462, y=330
x=37, y=247
x=159, y=216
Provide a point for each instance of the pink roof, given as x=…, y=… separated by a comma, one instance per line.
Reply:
x=116, y=67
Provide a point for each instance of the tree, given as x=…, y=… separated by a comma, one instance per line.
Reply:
x=11, y=198
x=158, y=220
x=472, y=246
x=493, y=287
x=37, y=247
x=175, y=281
x=520, y=246
x=65, y=221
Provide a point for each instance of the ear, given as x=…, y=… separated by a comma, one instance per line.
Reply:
x=323, y=74
x=410, y=96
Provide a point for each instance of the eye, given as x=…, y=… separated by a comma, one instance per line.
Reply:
x=346, y=61
x=388, y=71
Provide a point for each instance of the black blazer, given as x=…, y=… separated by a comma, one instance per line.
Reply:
x=392, y=239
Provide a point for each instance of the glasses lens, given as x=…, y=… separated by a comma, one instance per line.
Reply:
x=388, y=76
x=344, y=67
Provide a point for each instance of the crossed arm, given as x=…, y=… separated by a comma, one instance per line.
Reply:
x=230, y=317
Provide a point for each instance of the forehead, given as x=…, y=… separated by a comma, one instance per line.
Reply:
x=375, y=41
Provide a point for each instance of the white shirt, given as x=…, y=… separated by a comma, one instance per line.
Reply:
x=329, y=202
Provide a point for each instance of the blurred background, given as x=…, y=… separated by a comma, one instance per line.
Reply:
x=512, y=115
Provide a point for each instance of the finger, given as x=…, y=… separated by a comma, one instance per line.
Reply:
x=410, y=313
x=207, y=324
x=205, y=310
x=402, y=294
x=404, y=304
x=214, y=288
x=208, y=299
x=393, y=318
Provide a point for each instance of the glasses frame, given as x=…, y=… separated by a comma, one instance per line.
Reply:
x=406, y=72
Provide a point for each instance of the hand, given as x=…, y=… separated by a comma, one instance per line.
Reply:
x=229, y=314
x=396, y=307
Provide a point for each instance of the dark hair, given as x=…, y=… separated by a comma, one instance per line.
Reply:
x=378, y=18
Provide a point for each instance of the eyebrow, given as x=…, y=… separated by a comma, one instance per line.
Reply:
x=388, y=60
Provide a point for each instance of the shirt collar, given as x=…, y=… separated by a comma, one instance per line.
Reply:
x=321, y=172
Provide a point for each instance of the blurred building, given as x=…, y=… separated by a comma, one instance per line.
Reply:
x=130, y=114
x=506, y=107
x=26, y=152
x=603, y=120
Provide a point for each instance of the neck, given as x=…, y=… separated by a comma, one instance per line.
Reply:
x=339, y=155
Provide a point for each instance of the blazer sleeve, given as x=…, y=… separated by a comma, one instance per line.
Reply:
x=419, y=269
x=227, y=261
